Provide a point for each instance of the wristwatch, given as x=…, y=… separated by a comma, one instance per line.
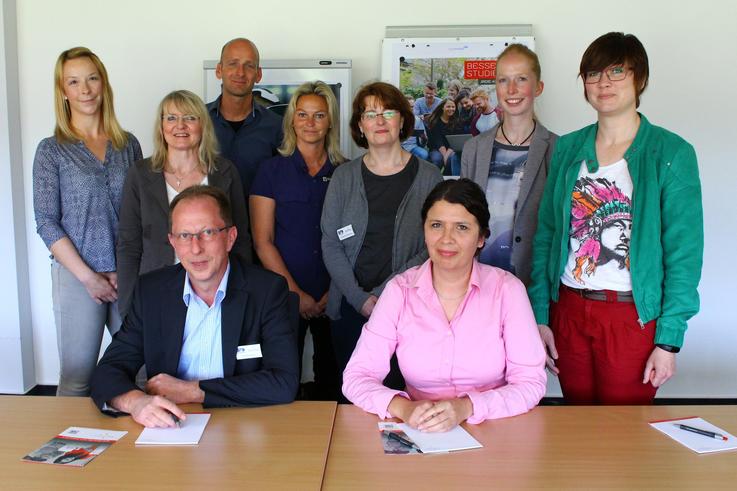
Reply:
x=668, y=348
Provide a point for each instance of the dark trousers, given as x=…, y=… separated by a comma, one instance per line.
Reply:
x=323, y=360
x=345, y=332
x=602, y=350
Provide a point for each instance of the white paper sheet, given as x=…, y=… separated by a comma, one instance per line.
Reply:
x=189, y=433
x=697, y=443
x=449, y=441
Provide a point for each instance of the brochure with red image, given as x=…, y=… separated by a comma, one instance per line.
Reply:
x=75, y=446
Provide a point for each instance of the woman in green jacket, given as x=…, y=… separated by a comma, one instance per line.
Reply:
x=618, y=250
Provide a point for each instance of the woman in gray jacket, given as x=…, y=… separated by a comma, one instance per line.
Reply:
x=185, y=154
x=371, y=224
x=510, y=161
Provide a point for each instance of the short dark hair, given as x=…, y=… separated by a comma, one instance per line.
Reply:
x=462, y=94
x=391, y=98
x=463, y=192
x=617, y=48
x=204, y=191
x=431, y=86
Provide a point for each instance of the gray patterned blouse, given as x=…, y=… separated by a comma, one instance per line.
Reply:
x=77, y=196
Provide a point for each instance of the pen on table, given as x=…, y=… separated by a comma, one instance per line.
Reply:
x=393, y=436
x=708, y=433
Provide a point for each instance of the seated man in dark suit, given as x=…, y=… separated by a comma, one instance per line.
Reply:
x=211, y=330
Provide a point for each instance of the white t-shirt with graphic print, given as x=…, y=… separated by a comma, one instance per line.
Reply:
x=601, y=227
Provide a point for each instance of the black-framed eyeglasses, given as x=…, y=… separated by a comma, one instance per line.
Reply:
x=614, y=74
x=206, y=235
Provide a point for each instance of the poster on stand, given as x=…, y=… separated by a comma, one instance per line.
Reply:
x=452, y=66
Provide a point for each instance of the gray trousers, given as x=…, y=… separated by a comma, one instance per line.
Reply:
x=79, y=328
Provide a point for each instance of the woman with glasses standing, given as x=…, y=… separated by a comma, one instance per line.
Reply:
x=618, y=250
x=78, y=179
x=185, y=154
x=371, y=226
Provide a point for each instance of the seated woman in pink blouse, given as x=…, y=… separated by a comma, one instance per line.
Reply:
x=464, y=333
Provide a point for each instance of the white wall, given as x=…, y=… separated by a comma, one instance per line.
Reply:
x=16, y=334
x=152, y=47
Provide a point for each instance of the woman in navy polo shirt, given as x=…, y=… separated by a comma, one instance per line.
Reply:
x=286, y=201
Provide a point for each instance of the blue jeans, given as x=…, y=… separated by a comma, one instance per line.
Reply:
x=451, y=168
x=420, y=153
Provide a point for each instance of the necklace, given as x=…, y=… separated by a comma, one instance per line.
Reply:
x=534, y=125
x=180, y=178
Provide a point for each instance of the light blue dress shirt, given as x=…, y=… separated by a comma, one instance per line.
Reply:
x=202, y=346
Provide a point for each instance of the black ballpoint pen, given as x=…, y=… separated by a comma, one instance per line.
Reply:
x=402, y=440
x=699, y=431
x=176, y=419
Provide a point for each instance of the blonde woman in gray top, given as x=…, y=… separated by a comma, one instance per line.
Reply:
x=510, y=162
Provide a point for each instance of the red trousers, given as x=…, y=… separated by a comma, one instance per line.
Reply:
x=602, y=350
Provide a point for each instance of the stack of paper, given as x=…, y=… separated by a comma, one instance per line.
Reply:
x=188, y=433
x=694, y=441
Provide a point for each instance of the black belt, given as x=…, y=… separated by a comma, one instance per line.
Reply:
x=600, y=295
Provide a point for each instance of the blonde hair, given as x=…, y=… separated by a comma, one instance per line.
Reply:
x=523, y=50
x=455, y=84
x=64, y=131
x=332, y=139
x=188, y=103
x=479, y=93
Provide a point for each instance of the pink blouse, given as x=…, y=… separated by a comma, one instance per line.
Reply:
x=490, y=351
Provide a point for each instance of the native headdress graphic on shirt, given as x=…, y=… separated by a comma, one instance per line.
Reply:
x=601, y=221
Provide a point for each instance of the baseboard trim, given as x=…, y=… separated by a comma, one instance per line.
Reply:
x=50, y=390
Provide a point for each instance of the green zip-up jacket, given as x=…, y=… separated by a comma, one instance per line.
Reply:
x=667, y=241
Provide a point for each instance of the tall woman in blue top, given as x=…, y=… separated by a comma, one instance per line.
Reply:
x=286, y=202
x=78, y=179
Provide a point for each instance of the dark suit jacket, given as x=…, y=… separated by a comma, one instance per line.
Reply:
x=254, y=311
x=475, y=163
x=143, y=243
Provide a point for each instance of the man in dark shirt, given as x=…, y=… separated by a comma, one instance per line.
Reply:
x=247, y=132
